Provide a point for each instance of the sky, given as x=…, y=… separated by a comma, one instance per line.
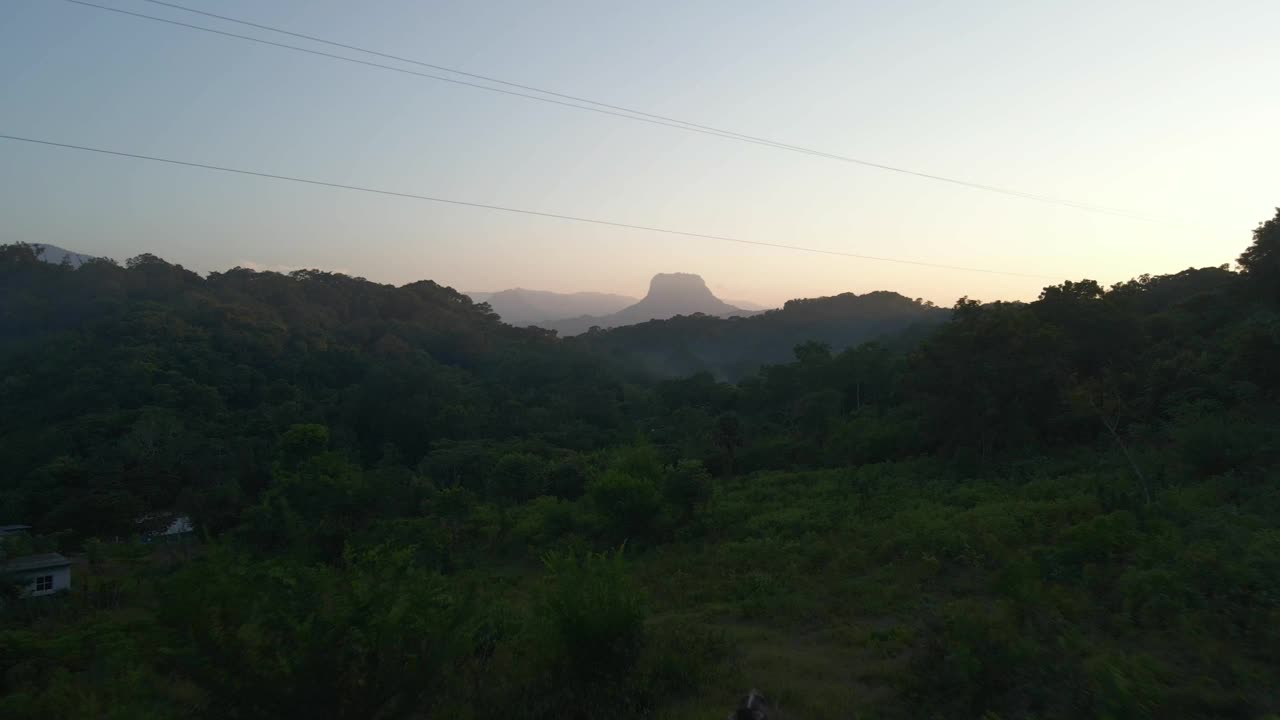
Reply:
x=1165, y=109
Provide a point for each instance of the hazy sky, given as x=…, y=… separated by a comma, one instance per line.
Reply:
x=1164, y=108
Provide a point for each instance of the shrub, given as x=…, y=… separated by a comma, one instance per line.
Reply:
x=687, y=488
x=592, y=634
x=545, y=520
x=517, y=477
x=628, y=503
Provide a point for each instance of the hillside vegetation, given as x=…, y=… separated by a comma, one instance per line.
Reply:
x=731, y=348
x=1058, y=509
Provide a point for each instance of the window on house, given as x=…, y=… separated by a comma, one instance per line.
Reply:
x=44, y=583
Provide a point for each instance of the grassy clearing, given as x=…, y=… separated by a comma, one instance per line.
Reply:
x=889, y=590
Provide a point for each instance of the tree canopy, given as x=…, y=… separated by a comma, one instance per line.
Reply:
x=406, y=508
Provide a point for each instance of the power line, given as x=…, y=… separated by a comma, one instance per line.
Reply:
x=445, y=68
x=577, y=103
x=519, y=211
x=641, y=113
x=627, y=113
x=382, y=66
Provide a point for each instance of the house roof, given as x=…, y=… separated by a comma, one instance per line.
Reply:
x=181, y=524
x=165, y=524
x=36, y=562
x=6, y=529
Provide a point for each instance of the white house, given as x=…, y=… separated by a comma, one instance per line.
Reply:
x=165, y=527
x=43, y=574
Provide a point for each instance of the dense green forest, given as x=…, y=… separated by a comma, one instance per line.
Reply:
x=1058, y=509
x=731, y=348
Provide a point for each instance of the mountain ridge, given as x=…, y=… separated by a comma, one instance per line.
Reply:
x=735, y=346
x=523, y=306
x=670, y=295
x=55, y=255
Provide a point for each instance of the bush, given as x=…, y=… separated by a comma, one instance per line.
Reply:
x=545, y=520
x=1152, y=598
x=627, y=503
x=518, y=477
x=594, y=616
x=975, y=660
x=1124, y=686
x=687, y=488
x=568, y=477
x=1211, y=443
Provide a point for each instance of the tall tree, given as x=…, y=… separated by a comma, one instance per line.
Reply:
x=1261, y=260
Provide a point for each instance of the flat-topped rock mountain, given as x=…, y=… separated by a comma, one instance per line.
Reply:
x=670, y=294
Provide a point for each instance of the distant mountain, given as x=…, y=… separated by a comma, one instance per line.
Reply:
x=735, y=346
x=670, y=294
x=751, y=306
x=55, y=255
x=519, y=306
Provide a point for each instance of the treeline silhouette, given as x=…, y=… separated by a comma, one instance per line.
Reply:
x=1056, y=509
x=731, y=348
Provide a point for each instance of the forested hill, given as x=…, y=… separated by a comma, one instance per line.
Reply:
x=734, y=347
x=306, y=310
x=1050, y=510
x=128, y=389
x=670, y=294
